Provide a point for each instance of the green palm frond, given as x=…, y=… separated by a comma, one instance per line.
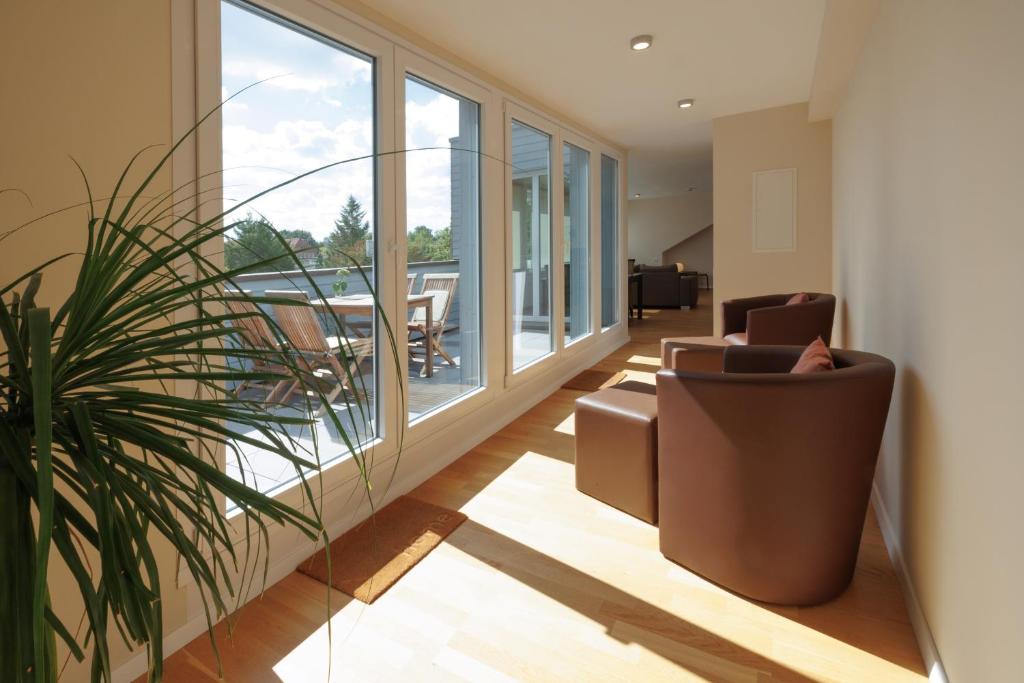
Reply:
x=99, y=445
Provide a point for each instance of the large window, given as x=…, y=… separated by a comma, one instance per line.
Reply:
x=423, y=163
x=311, y=103
x=531, y=245
x=442, y=136
x=609, y=241
x=576, y=178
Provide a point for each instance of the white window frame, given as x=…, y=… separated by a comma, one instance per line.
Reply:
x=593, y=230
x=341, y=470
x=562, y=351
x=443, y=437
x=515, y=112
x=408, y=63
x=622, y=263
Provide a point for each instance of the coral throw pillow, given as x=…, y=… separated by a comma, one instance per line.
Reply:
x=815, y=358
x=800, y=298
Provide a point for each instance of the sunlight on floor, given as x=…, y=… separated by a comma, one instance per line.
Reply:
x=484, y=606
x=545, y=583
x=567, y=426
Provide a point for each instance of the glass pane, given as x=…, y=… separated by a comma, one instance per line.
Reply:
x=315, y=106
x=576, y=174
x=443, y=233
x=531, y=245
x=609, y=241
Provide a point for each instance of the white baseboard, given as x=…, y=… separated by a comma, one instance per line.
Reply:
x=421, y=461
x=929, y=652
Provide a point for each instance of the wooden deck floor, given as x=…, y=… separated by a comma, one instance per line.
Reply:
x=545, y=584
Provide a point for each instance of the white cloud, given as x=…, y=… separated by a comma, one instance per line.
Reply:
x=258, y=160
x=433, y=123
x=341, y=71
x=428, y=172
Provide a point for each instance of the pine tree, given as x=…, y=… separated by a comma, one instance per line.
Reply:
x=349, y=237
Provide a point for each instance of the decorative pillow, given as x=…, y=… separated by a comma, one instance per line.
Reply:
x=815, y=358
x=680, y=266
x=801, y=298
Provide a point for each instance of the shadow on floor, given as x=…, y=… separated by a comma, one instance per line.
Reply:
x=625, y=617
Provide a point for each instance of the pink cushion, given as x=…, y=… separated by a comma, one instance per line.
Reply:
x=736, y=339
x=815, y=358
x=800, y=298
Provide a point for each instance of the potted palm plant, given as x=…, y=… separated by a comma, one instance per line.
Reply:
x=102, y=454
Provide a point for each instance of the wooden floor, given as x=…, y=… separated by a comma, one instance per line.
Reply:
x=545, y=584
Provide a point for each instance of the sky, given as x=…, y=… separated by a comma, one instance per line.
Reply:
x=316, y=109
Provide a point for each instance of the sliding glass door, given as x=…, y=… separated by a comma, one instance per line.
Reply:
x=308, y=101
x=531, y=245
x=442, y=186
x=576, y=240
x=609, y=241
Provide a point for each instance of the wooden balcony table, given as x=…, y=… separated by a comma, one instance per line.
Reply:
x=363, y=305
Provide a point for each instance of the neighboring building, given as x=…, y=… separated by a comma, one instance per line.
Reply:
x=307, y=252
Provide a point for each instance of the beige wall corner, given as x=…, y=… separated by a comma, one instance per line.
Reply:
x=660, y=223
x=843, y=30
x=696, y=252
x=770, y=139
x=928, y=249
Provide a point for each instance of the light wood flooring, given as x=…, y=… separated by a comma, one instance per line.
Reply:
x=545, y=584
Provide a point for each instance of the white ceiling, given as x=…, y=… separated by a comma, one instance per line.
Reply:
x=732, y=56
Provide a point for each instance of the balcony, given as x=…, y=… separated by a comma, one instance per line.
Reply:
x=358, y=418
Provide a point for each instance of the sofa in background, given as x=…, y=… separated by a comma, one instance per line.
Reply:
x=666, y=287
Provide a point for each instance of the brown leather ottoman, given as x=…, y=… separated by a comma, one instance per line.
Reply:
x=617, y=448
x=693, y=354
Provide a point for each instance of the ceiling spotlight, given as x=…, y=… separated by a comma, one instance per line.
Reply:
x=685, y=104
x=641, y=42
x=636, y=196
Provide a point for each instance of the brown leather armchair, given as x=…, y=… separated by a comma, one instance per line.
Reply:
x=769, y=320
x=764, y=476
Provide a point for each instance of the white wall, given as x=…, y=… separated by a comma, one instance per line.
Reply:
x=929, y=241
x=660, y=223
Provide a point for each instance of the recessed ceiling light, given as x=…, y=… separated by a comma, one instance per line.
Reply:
x=641, y=42
x=685, y=104
x=636, y=196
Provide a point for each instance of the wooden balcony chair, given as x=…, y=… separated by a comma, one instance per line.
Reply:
x=442, y=287
x=411, y=281
x=316, y=352
x=255, y=334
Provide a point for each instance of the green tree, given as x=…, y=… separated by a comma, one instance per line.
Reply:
x=442, y=250
x=255, y=239
x=349, y=237
x=301, y=234
x=425, y=244
x=420, y=244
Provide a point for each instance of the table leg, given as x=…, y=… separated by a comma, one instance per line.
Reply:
x=640, y=298
x=428, y=343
